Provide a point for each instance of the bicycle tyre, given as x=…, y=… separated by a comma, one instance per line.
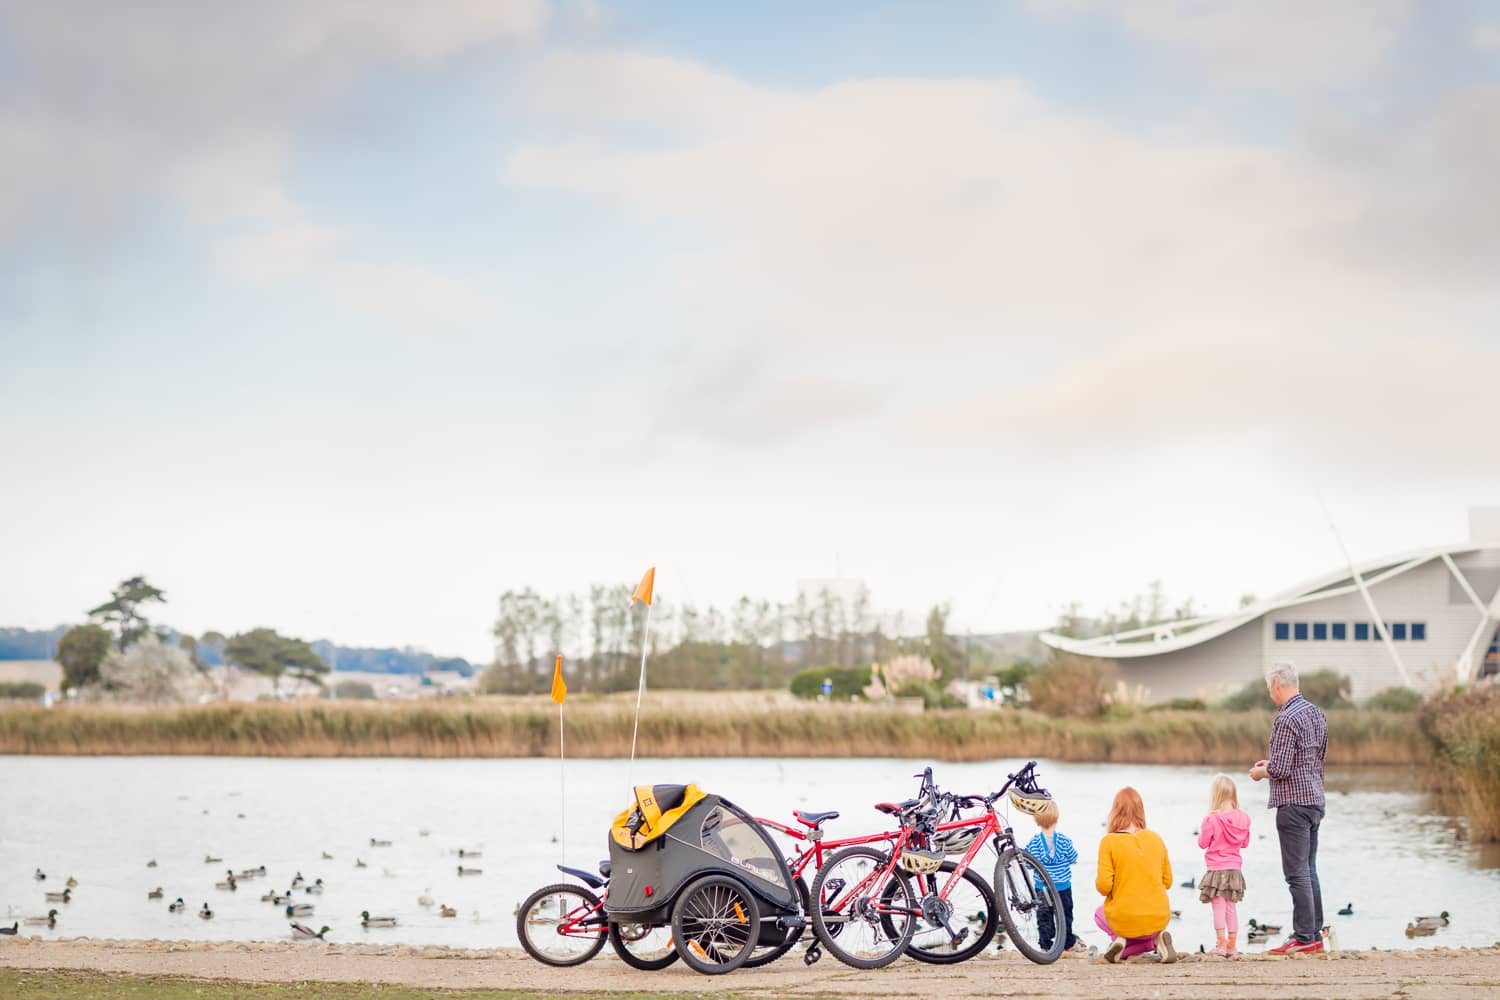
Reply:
x=695, y=927
x=766, y=956
x=986, y=931
x=622, y=948
x=523, y=924
x=829, y=935
x=1016, y=875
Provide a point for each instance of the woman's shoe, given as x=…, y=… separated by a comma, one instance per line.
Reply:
x=1112, y=953
x=1164, y=948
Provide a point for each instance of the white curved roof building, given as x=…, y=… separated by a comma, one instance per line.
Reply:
x=1415, y=619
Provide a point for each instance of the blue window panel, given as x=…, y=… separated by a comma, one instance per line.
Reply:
x=1418, y=631
x=1299, y=631
x=1320, y=630
x=1398, y=630
x=1340, y=631
x=1361, y=631
x=1283, y=631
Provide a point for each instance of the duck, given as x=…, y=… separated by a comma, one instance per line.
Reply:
x=1254, y=936
x=316, y=889
x=176, y=907
x=327, y=856
x=253, y=872
x=151, y=863
x=282, y=899
x=306, y=933
x=369, y=921
x=425, y=899
x=155, y=893
x=268, y=896
x=209, y=859
x=1268, y=928
x=1417, y=930
x=448, y=911
x=14, y=926
x=66, y=896
x=360, y=864
x=300, y=910
x=470, y=871
x=1189, y=884
x=50, y=920
x=1176, y=914
x=71, y=883
x=379, y=843
x=298, y=881
x=470, y=854
x=1441, y=920
x=229, y=884
x=206, y=913
x=424, y=833
x=1347, y=911
x=39, y=875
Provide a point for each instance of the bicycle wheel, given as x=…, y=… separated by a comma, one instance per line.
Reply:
x=647, y=947
x=1026, y=897
x=715, y=923
x=852, y=914
x=969, y=910
x=765, y=956
x=545, y=923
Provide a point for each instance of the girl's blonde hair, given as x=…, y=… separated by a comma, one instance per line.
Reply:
x=1046, y=816
x=1223, y=793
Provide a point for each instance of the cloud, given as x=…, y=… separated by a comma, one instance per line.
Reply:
x=1285, y=46
x=1486, y=37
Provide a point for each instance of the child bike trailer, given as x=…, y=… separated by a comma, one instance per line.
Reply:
x=693, y=859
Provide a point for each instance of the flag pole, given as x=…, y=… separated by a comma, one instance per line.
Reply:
x=560, y=695
x=644, y=594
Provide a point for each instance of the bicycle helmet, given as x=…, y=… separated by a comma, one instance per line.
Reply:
x=920, y=862
x=1030, y=802
x=955, y=841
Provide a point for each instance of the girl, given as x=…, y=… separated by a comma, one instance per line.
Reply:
x=1224, y=832
x=1134, y=876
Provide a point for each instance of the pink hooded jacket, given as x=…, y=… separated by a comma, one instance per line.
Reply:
x=1221, y=836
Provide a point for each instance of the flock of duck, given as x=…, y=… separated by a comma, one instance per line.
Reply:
x=287, y=900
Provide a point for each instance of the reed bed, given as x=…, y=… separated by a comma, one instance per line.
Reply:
x=1465, y=730
x=683, y=727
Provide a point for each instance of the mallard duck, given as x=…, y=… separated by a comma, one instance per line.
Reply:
x=229, y=884
x=360, y=864
x=176, y=907
x=155, y=893
x=282, y=899
x=71, y=883
x=66, y=896
x=369, y=921
x=424, y=899
x=304, y=932
x=1417, y=930
x=1268, y=928
x=11, y=929
x=50, y=920
x=1256, y=937
x=1347, y=911
x=268, y=897
x=206, y=913
x=379, y=843
x=470, y=854
x=316, y=889
x=209, y=859
x=250, y=873
x=299, y=910
x=39, y=875
x=1176, y=914
x=448, y=911
x=470, y=871
x=298, y=880
x=1189, y=884
x=1441, y=920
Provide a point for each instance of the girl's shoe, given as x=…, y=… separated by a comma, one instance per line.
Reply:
x=1164, y=948
x=1221, y=951
x=1079, y=948
x=1231, y=953
x=1112, y=953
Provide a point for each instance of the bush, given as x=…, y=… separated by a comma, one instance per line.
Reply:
x=1074, y=686
x=1464, y=727
x=847, y=681
x=30, y=690
x=354, y=689
x=1248, y=698
x=1324, y=688
x=1181, y=705
x=1396, y=699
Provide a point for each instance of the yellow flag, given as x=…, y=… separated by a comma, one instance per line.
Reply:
x=559, y=687
x=643, y=589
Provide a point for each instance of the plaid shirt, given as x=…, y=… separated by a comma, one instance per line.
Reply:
x=1299, y=740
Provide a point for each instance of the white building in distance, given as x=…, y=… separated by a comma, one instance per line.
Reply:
x=1416, y=619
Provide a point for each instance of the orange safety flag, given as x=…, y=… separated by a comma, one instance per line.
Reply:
x=559, y=687
x=643, y=589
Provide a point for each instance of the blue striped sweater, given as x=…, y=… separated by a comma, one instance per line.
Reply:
x=1059, y=861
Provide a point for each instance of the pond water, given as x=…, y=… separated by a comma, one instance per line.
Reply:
x=101, y=819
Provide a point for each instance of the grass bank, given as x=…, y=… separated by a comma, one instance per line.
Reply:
x=684, y=726
x=1465, y=730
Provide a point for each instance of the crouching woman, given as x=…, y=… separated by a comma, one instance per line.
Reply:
x=1134, y=876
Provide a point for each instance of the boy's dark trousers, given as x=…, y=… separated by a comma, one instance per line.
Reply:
x=1044, y=923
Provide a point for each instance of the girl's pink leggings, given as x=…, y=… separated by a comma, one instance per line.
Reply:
x=1226, y=914
x=1133, y=946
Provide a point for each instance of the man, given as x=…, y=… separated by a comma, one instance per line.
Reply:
x=1299, y=741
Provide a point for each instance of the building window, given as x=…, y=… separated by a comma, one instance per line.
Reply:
x=1320, y=630
x=1340, y=631
x=1398, y=630
x=1418, y=631
x=1361, y=631
x=1283, y=631
x=1299, y=631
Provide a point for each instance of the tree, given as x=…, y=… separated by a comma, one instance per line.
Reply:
x=123, y=609
x=152, y=672
x=80, y=652
x=941, y=649
x=273, y=655
x=1072, y=685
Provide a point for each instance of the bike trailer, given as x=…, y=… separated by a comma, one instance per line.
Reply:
x=673, y=834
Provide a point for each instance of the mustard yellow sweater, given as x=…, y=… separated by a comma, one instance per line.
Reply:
x=1134, y=876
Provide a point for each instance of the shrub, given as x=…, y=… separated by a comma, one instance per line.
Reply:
x=1396, y=699
x=354, y=689
x=22, y=689
x=1324, y=688
x=1181, y=705
x=847, y=681
x=1248, y=698
x=1464, y=728
x=1074, y=686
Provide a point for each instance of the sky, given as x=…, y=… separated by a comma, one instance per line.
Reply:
x=345, y=316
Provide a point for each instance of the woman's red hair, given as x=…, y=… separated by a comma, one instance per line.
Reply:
x=1128, y=810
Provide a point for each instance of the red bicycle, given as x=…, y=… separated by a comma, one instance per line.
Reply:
x=872, y=901
x=565, y=925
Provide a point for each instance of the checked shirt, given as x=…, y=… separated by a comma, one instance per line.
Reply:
x=1299, y=740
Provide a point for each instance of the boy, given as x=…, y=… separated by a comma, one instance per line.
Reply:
x=1055, y=851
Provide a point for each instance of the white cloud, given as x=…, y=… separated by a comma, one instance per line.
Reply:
x=1486, y=37
x=408, y=296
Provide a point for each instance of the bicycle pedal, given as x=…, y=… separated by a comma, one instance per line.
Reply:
x=812, y=955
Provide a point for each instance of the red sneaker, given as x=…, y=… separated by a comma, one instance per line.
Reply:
x=1291, y=946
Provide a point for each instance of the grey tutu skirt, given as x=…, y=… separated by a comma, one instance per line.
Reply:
x=1228, y=885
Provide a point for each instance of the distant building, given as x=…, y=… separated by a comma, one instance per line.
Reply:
x=1416, y=619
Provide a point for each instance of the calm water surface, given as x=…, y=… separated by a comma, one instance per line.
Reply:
x=102, y=819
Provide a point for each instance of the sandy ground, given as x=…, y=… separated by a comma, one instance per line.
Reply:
x=1450, y=974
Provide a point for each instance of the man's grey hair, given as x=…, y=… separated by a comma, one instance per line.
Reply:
x=1282, y=672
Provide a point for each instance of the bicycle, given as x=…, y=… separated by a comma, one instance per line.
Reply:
x=564, y=925
x=869, y=913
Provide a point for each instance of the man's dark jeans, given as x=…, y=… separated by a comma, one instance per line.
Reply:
x=1297, y=828
x=1044, y=923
